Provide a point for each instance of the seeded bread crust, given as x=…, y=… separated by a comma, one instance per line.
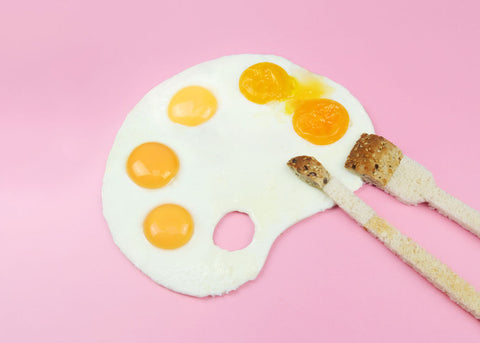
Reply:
x=310, y=171
x=374, y=158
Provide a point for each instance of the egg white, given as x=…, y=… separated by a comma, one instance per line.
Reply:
x=236, y=161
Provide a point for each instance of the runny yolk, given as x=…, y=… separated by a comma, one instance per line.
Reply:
x=308, y=88
x=192, y=106
x=320, y=121
x=264, y=82
x=168, y=226
x=152, y=165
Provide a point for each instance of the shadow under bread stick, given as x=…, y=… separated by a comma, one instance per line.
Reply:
x=382, y=164
x=440, y=275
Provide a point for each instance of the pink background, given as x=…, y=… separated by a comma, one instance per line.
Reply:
x=70, y=71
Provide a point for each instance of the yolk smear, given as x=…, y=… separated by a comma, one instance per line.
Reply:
x=309, y=88
x=168, y=226
x=321, y=121
x=152, y=165
x=192, y=106
x=264, y=82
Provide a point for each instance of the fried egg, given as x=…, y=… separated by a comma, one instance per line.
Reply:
x=214, y=139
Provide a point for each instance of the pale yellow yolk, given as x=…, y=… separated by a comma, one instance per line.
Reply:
x=152, y=165
x=168, y=226
x=192, y=106
x=320, y=121
x=265, y=82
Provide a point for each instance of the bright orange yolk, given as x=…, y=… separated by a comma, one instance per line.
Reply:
x=168, y=226
x=152, y=165
x=192, y=106
x=320, y=121
x=265, y=82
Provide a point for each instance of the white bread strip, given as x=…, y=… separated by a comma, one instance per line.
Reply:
x=412, y=183
x=427, y=265
x=349, y=202
x=440, y=275
x=454, y=209
x=381, y=163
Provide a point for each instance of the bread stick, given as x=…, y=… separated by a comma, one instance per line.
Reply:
x=382, y=164
x=440, y=275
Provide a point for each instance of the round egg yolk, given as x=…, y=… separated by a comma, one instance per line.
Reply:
x=264, y=82
x=192, y=106
x=168, y=226
x=320, y=121
x=152, y=165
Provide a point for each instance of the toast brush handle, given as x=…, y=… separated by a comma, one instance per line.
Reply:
x=440, y=275
x=412, y=183
x=427, y=265
x=454, y=209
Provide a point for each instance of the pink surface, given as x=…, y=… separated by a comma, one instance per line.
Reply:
x=71, y=71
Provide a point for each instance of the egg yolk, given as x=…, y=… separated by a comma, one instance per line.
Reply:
x=152, y=165
x=192, y=106
x=168, y=226
x=264, y=82
x=320, y=121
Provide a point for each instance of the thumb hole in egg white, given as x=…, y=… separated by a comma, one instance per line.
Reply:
x=234, y=231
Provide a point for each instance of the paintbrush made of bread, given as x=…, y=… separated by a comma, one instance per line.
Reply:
x=381, y=163
x=441, y=276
